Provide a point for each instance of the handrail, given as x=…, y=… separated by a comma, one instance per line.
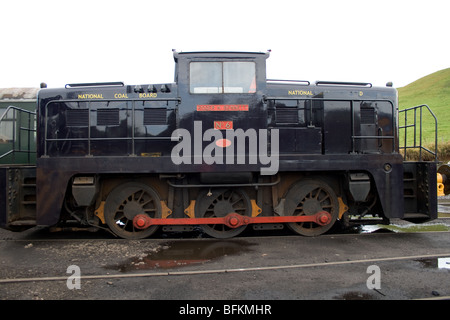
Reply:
x=414, y=126
x=94, y=84
x=18, y=109
x=341, y=83
x=306, y=82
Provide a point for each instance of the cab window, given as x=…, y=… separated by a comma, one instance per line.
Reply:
x=222, y=77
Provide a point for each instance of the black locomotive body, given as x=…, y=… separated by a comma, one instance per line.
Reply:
x=221, y=147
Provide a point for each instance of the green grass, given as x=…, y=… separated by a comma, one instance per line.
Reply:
x=434, y=91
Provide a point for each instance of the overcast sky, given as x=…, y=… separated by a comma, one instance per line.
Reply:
x=377, y=41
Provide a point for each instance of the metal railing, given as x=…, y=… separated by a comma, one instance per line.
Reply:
x=89, y=139
x=380, y=134
x=23, y=134
x=416, y=126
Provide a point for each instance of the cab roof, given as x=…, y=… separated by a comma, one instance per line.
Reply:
x=219, y=54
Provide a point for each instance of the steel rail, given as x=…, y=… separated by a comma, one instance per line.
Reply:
x=220, y=271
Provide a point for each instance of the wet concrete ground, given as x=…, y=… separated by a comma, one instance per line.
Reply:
x=288, y=267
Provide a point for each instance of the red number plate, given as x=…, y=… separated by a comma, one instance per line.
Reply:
x=223, y=125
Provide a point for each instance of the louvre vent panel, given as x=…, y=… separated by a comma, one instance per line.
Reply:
x=286, y=115
x=108, y=117
x=77, y=118
x=367, y=116
x=155, y=116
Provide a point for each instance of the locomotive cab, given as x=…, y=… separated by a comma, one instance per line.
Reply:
x=220, y=93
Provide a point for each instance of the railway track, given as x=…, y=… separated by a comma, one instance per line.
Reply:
x=232, y=270
x=68, y=234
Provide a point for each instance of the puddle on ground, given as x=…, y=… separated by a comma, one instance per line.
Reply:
x=443, y=212
x=444, y=206
x=435, y=263
x=175, y=254
x=444, y=209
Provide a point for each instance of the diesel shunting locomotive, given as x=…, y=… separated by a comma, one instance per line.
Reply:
x=221, y=147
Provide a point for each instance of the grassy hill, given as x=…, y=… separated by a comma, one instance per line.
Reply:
x=434, y=91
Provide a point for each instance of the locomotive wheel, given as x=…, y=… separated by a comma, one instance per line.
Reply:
x=310, y=197
x=219, y=203
x=125, y=202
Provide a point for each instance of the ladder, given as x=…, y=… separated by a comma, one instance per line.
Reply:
x=419, y=176
x=413, y=125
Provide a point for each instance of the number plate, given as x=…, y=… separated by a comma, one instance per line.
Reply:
x=223, y=125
